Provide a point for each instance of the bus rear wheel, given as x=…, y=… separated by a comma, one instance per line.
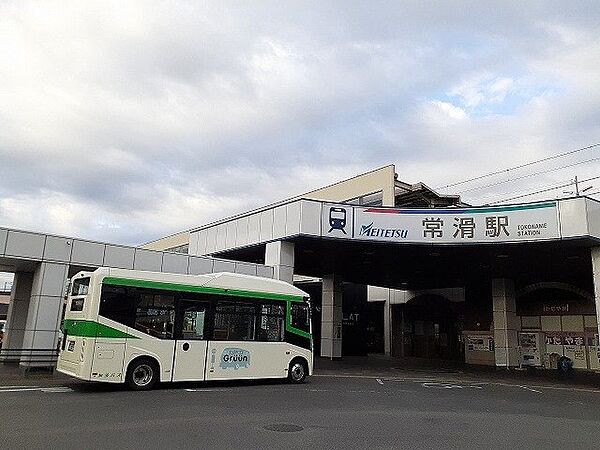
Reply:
x=142, y=374
x=297, y=371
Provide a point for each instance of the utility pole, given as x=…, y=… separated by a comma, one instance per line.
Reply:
x=577, y=192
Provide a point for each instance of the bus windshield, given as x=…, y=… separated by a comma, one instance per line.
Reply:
x=301, y=316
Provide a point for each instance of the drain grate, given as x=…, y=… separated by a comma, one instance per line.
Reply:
x=283, y=427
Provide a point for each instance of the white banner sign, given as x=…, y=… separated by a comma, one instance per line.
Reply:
x=538, y=221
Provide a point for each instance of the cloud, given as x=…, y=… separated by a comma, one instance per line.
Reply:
x=128, y=121
x=483, y=89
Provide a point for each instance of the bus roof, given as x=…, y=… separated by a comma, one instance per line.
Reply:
x=221, y=280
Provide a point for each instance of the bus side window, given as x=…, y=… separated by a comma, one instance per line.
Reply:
x=271, y=322
x=234, y=321
x=155, y=314
x=118, y=303
x=193, y=320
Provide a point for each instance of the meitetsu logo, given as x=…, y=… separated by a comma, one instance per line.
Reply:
x=392, y=233
x=235, y=358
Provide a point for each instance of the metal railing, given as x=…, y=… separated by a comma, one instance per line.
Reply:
x=30, y=357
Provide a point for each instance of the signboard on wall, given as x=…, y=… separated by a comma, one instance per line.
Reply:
x=480, y=344
x=538, y=221
x=336, y=221
x=458, y=225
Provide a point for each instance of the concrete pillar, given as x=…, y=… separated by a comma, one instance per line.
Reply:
x=596, y=279
x=331, y=317
x=506, y=326
x=280, y=255
x=387, y=324
x=16, y=318
x=44, y=314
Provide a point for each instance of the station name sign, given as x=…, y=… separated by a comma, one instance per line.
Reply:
x=537, y=221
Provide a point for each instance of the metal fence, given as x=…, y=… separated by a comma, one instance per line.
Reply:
x=30, y=357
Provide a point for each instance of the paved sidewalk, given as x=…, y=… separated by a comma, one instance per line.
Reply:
x=12, y=375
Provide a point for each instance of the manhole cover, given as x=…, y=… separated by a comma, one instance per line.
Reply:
x=283, y=427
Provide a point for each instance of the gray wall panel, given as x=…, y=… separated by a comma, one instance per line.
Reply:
x=87, y=253
x=147, y=260
x=279, y=221
x=593, y=216
x=58, y=249
x=245, y=268
x=25, y=245
x=224, y=266
x=266, y=225
x=241, y=232
x=221, y=237
x=200, y=266
x=175, y=263
x=3, y=236
x=254, y=228
x=573, y=220
x=264, y=271
x=292, y=222
x=120, y=257
x=231, y=234
x=310, y=219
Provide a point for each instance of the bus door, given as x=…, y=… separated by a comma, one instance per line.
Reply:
x=191, y=340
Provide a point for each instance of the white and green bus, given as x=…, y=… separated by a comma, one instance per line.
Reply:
x=145, y=327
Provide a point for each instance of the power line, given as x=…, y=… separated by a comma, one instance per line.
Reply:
x=542, y=172
x=542, y=191
x=520, y=166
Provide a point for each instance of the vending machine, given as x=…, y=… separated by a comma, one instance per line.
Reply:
x=593, y=352
x=532, y=348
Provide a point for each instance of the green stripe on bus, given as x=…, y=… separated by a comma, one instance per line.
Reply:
x=89, y=328
x=114, y=281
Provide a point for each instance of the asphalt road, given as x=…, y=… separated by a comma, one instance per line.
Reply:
x=326, y=412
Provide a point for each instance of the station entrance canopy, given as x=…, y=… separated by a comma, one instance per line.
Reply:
x=496, y=254
x=558, y=220
x=417, y=248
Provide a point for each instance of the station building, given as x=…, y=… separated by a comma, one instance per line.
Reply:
x=392, y=268
x=397, y=268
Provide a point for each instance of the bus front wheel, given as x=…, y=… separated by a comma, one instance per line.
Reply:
x=297, y=371
x=142, y=374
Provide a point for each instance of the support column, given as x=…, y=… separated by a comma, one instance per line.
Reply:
x=387, y=324
x=506, y=326
x=16, y=318
x=44, y=314
x=596, y=279
x=280, y=255
x=331, y=317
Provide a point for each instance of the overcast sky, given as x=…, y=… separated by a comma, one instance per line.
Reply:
x=125, y=121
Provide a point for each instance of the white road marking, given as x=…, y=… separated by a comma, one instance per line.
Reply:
x=486, y=383
x=448, y=386
x=56, y=389
x=379, y=381
x=17, y=387
x=50, y=389
x=529, y=389
x=20, y=390
x=208, y=390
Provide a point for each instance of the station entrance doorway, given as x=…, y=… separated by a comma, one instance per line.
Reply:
x=428, y=326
